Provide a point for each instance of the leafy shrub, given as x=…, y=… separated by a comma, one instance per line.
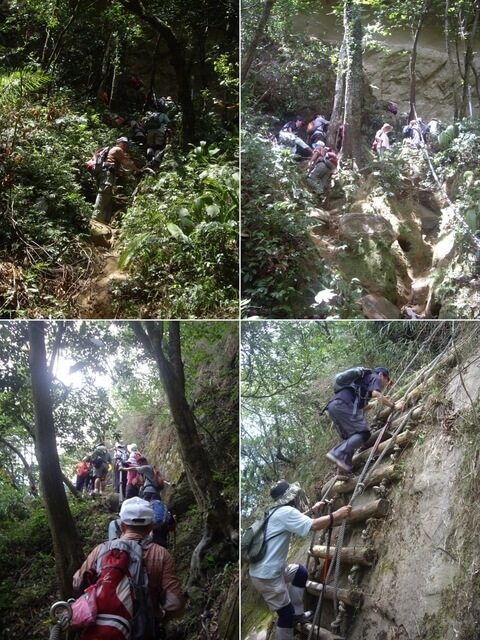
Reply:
x=180, y=240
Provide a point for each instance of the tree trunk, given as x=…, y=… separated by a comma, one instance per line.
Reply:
x=352, y=144
x=468, y=64
x=451, y=63
x=178, y=62
x=252, y=47
x=194, y=456
x=26, y=466
x=413, y=62
x=336, y=115
x=67, y=544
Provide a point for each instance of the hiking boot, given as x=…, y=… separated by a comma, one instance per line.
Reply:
x=301, y=618
x=343, y=466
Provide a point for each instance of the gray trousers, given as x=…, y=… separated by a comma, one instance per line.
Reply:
x=102, y=211
x=352, y=428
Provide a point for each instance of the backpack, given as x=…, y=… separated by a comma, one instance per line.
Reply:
x=254, y=539
x=120, y=594
x=375, y=144
x=152, y=121
x=99, y=456
x=162, y=520
x=96, y=162
x=352, y=378
x=157, y=483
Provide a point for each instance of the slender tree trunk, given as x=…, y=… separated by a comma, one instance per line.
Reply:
x=468, y=62
x=352, y=144
x=338, y=102
x=66, y=541
x=118, y=72
x=451, y=63
x=192, y=451
x=26, y=466
x=413, y=62
x=252, y=47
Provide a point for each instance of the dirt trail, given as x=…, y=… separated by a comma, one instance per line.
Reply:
x=96, y=301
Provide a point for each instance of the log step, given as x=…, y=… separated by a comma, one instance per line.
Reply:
x=383, y=472
x=318, y=632
x=402, y=440
x=363, y=556
x=349, y=596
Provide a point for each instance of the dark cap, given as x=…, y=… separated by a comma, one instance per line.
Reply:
x=385, y=372
x=299, y=118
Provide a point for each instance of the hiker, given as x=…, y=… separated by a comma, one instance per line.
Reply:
x=346, y=409
x=340, y=135
x=382, y=142
x=323, y=168
x=82, y=469
x=138, y=133
x=157, y=125
x=132, y=487
x=153, y=481
x=317, y=129
x=163, y=520
x=413, y=134
x=101, y=461
x=117, y=163
x=283, y=585
x=288, y=137
x=136, y=521
x=120, y=458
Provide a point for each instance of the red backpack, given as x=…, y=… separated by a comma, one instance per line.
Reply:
x=123, y=605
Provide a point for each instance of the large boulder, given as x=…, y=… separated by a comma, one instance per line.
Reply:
x=376, y=307
x=354, y=226
x=101, y=235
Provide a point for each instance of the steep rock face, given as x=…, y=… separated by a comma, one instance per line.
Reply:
x=424, y=581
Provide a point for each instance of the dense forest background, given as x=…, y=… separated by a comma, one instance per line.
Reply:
x=65, y=70
x=424, y=580
x=388, y=239
x=173, y=390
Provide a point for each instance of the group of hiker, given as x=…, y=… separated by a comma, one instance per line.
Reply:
x=151, y=133
x=414, y=134
x=323, y=160
x=282, y=584
x=127, y=586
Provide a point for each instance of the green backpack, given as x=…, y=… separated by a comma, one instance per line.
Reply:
x=254, y=539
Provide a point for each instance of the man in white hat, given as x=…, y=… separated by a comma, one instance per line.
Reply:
x=283, y=585
x=136, y=516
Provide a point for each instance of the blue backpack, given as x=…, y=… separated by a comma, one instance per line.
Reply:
x=162, y=521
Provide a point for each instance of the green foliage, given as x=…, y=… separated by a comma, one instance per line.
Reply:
x=180, y=236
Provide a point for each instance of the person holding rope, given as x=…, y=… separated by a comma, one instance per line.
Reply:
x=282, y=585
x=346, y=410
